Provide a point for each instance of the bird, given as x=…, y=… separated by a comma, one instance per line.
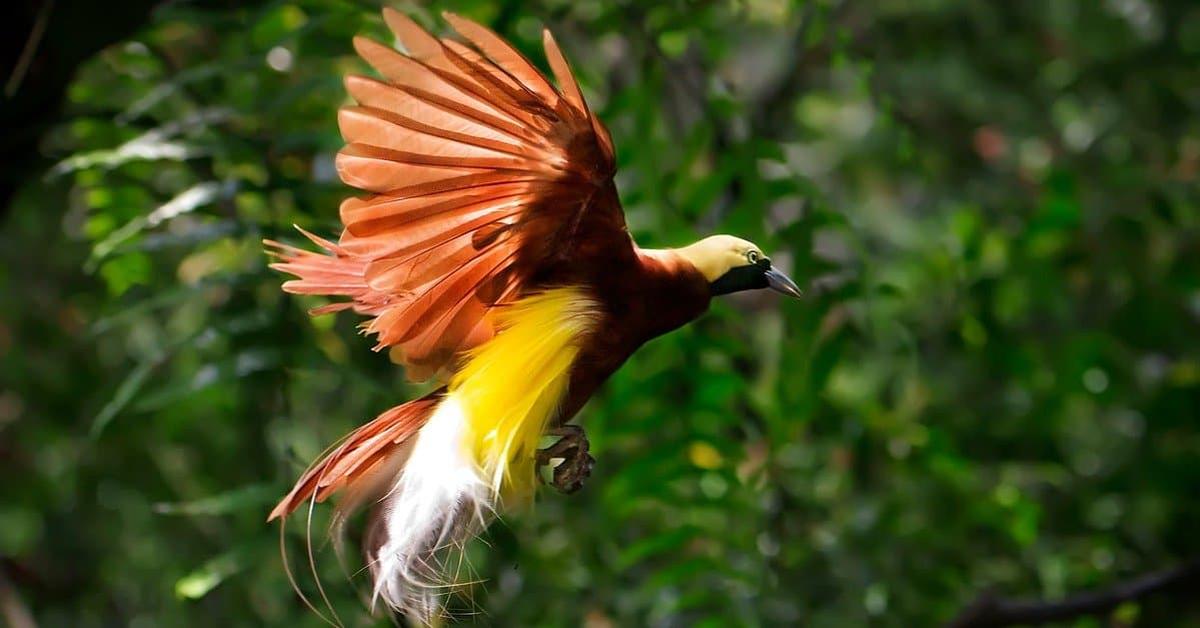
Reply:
x=489, y=251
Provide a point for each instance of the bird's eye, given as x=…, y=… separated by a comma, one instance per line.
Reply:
x=752, y=256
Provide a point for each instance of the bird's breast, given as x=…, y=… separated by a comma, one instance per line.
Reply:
x=509, y=388
x=638, y=304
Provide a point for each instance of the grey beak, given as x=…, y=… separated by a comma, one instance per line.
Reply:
x=780, y=283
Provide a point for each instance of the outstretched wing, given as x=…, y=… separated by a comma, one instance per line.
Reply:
x=480, y=173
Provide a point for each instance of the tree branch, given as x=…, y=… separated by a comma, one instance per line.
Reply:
x=991, y=611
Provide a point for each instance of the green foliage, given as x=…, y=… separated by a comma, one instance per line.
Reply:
x=995, y=380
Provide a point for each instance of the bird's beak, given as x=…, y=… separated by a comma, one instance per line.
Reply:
x=780, y=283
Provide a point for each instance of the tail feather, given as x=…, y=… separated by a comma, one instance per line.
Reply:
x=430, y=499
x=363, y=452
x=438, y=503
x=439, y=468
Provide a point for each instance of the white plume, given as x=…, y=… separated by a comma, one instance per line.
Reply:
x=437, y=504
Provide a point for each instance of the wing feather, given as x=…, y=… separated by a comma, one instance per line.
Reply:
x=364, y=125
x=479, y=173
x=563, y=74
x=505, y=58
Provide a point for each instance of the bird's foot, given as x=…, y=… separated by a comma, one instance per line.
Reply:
x=576, y=465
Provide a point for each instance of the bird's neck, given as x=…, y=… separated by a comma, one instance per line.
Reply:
x=665, y=262
x=675, y=289
x=656, y=293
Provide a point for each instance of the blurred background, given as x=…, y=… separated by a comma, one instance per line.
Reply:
x=993, y=387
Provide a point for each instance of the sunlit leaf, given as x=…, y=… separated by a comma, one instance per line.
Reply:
x=208, y=576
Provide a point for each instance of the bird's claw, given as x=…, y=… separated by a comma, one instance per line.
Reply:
x=576, y=466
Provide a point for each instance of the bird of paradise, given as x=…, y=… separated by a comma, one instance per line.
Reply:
x=490, y=251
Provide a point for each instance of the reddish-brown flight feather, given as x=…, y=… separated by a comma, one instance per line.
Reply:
x=359, y=454
x=479, y=172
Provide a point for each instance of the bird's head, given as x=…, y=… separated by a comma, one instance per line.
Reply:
x=731, y=264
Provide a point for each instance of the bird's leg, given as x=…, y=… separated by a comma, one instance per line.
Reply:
x=576, y=465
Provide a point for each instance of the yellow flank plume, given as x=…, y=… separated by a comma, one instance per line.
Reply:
x=511, y=386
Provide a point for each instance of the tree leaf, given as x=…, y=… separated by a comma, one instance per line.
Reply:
x=200, y=582
x=224, y=503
